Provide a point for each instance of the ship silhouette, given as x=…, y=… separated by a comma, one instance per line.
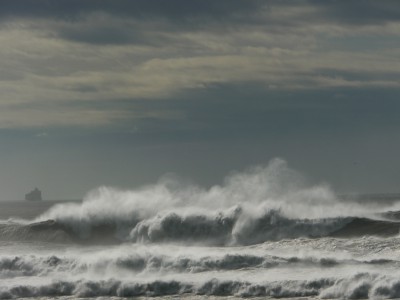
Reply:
x=35, y=195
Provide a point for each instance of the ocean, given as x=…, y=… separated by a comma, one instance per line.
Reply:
x=263, y=233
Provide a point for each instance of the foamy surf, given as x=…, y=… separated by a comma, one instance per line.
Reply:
x=325, y=268
x=263, y=233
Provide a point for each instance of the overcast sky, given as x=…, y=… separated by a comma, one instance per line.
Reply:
x=120, y=92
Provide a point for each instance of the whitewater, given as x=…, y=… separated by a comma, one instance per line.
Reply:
x=265, y=232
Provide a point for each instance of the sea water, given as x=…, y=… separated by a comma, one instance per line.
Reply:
x=262, y=233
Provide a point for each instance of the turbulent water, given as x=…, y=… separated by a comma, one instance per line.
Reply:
x=263, y=233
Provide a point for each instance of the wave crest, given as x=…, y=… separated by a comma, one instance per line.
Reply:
x=260, y=204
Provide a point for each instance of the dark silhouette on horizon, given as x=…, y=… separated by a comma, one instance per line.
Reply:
x=35, y=195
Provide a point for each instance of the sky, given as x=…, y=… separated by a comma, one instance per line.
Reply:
x=122, y=92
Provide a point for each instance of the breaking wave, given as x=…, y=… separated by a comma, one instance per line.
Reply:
x=47, y=231
x=214, y=287
x=265, y=232
x=140, y=270
x=263, y=204
x=359, y=286
x=217, y=230
x=147, y=262
x=33, y=265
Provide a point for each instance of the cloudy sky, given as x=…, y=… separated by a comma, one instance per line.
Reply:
x=120, y=92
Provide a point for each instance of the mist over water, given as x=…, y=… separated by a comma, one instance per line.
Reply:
x=263, y=232
x=260, y=204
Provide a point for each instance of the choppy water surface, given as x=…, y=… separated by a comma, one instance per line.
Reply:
x=262, y=233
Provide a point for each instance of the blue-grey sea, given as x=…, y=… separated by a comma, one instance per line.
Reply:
x=250, y=237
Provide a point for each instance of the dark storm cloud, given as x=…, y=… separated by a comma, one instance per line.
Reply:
x=119, y=26
x=170, y=8
x=124, y=24
x=351, y=11
x=359, y=12
x=167, y=47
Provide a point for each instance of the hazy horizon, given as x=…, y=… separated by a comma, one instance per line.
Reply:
x=120, y=93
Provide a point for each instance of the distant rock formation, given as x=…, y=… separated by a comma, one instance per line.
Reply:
x=35, y=195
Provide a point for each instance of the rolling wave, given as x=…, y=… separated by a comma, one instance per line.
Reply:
x=213, y=287
x=46, y=231
x=152, y=273
x=148, y=263
x=33, y=265
x=364, y=226
x=220, y=229
x=359, y=286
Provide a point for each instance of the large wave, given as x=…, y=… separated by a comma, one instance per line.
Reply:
x=260, y=204
x=264, y=232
